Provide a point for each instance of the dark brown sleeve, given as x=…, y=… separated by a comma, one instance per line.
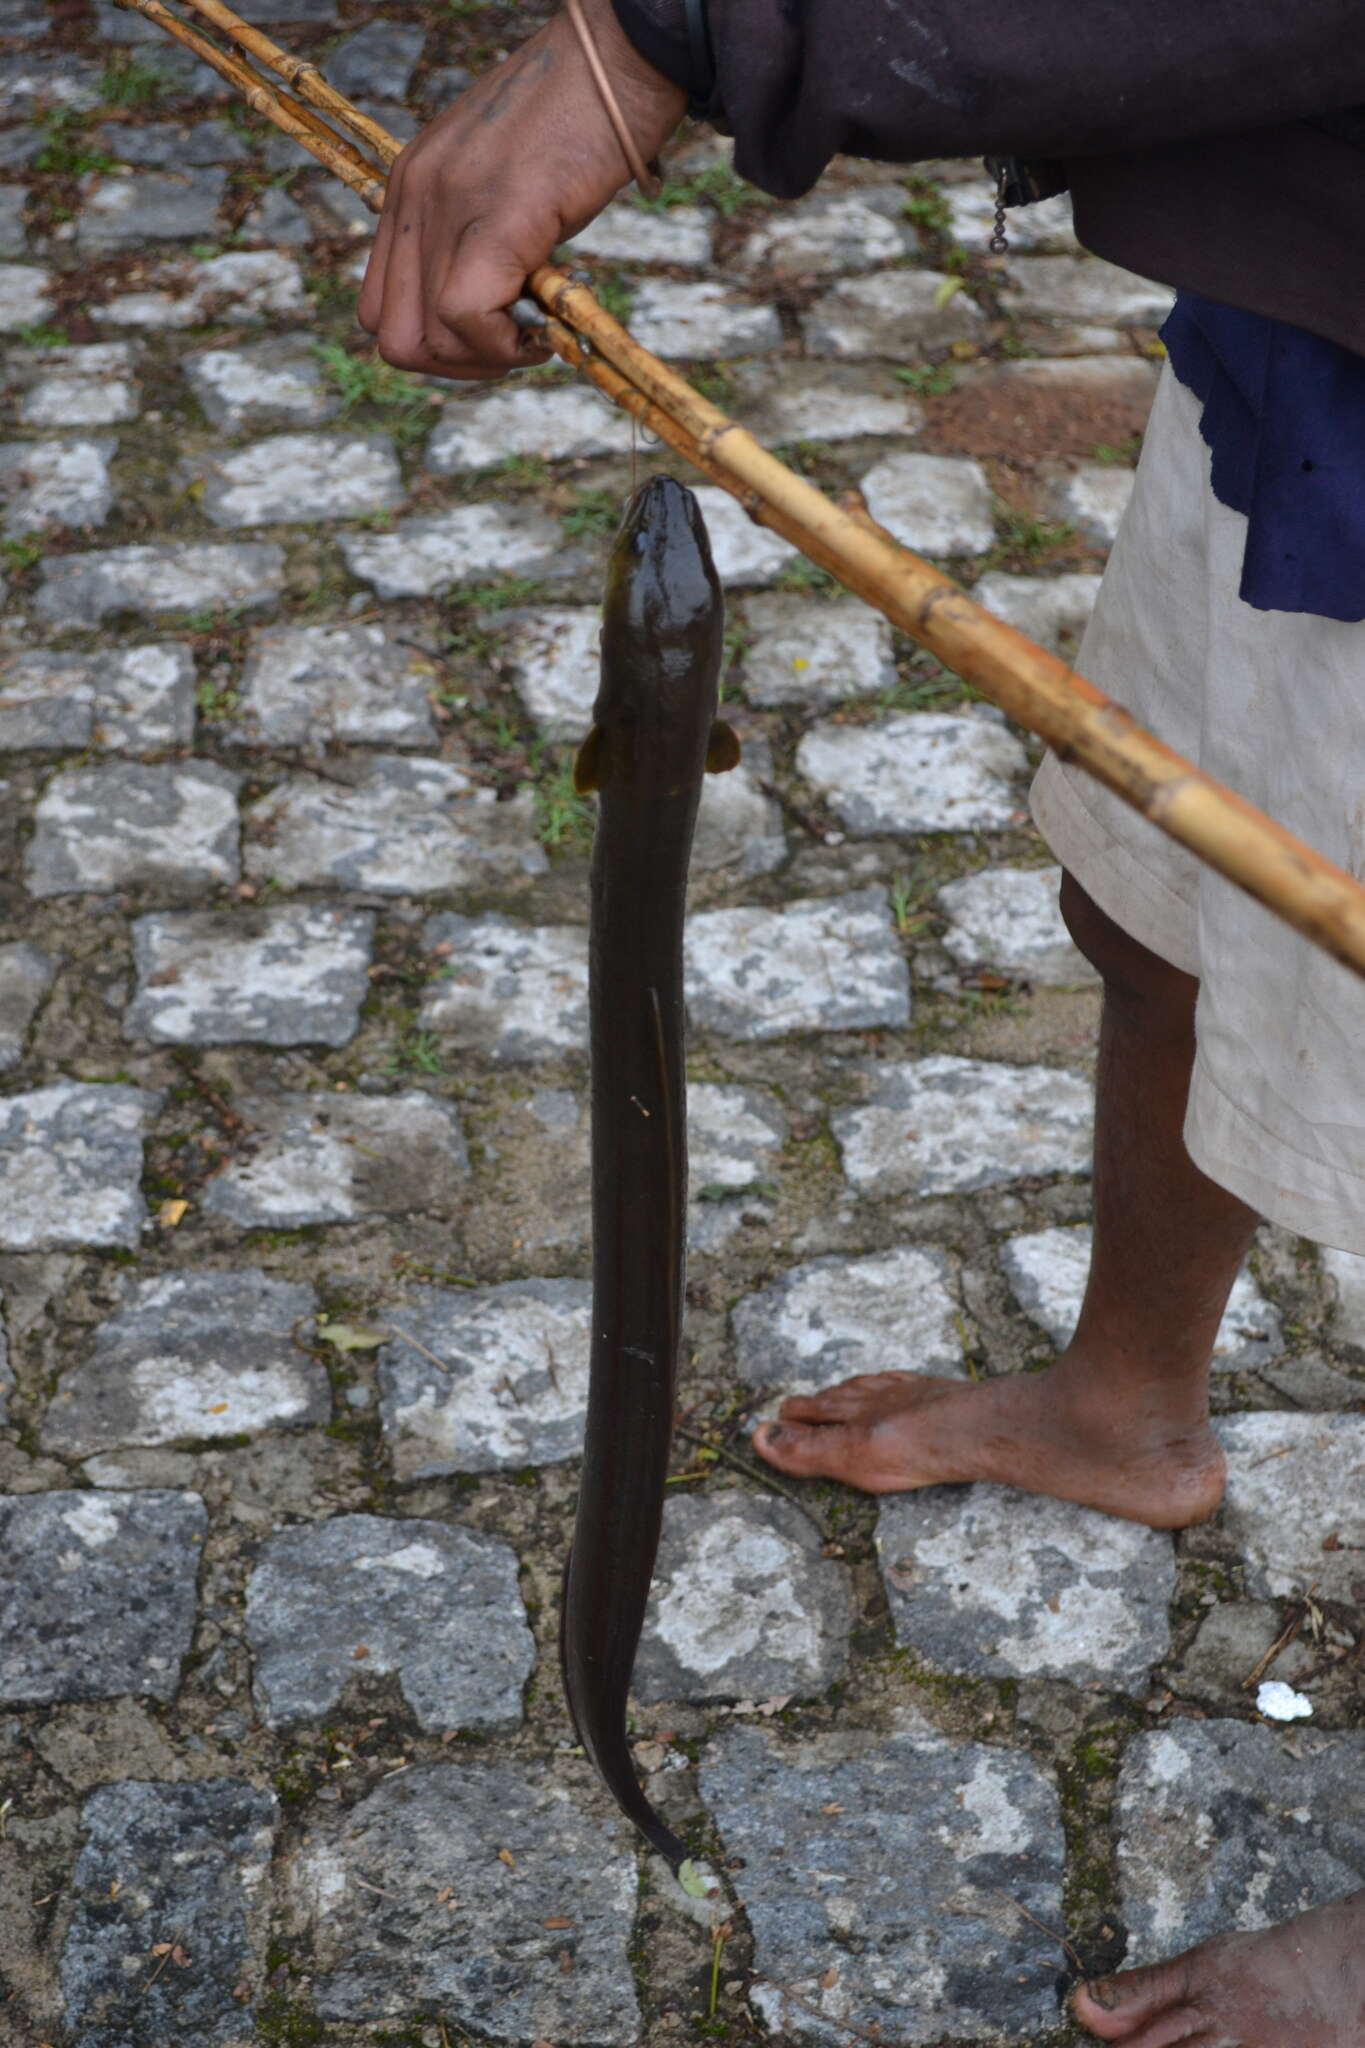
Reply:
x=801, y=81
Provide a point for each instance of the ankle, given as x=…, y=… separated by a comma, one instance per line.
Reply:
x=1123, y=1399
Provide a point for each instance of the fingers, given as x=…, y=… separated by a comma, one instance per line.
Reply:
x=370, y=306
x=468, y=321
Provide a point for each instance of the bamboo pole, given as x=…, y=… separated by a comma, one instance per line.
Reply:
x=1034, y=687
x=332, y=151
x=303, y=76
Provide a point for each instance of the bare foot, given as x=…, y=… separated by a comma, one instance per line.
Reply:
x=1301, y=1985
x=1073, y=1431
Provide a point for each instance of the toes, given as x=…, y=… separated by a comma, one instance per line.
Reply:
x=811, y=1452
x=864, y=1397
x=1129, y=2006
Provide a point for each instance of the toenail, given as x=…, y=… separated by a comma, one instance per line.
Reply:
x=773, y=1433
x=1105, y=1992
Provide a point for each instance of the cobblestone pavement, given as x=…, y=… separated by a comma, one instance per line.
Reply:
x=293, y=1169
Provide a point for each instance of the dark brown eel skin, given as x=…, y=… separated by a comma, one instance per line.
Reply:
x=654, y=734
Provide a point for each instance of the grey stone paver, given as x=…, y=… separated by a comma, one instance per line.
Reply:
x=54, y=484
x=512, y=991
x=822, y=964
x=701, y=322
x=917, y=771
x=186, y=1864
x=742, y=551
x=176, y=143
x=13, y=237
x=25, y=297
x=26, y=975
x=1093, y=499
x=743, y=1605
x=377, y=61
x=1295, y=1506
x=623, y=233
x=1081, y=289
x=552, y=655
x=246, y=285
x=127, y=699
x=895, y=313
x=823, y=402
x=485, y=1379
x=995, y=1583
x=94, y=385
x=302, y=477
x=935, y=504
x=71, y=1164
x=811, y=653
x=949, y=1125
x=425, y=555
x=36, y=81
x=832, y=1317
x=1007, y=919
x=840, y=233
x=273, y=977
x=403, y=828
x=560, y=420
x=6, y=1369
x=166, y=577
x=1047, y=1270
x=1345, y=1274
x=1224, y=1826
x=437, y=1605
x=1045, y=228
x=267, y=384
x=328, y=1158
x=133, y=825
x=314, y=686
x=739, y=827
x=733, y=1138
x=1054, y=610
x=72, y=1627
x=828, y=1829
x=443, y=1921
x=169, y=206
x=193, y=1355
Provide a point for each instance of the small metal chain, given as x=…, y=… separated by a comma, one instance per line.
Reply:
x=1000, y=241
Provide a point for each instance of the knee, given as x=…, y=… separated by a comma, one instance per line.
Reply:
x=1130, y=971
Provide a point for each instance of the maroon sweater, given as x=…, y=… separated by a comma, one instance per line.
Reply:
x=1214, y=144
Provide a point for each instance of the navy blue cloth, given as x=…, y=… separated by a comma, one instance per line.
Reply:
x=1284, y=417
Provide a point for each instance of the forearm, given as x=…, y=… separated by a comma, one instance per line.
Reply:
x=899, y=81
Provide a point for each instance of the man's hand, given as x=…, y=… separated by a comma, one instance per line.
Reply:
x=519, y=163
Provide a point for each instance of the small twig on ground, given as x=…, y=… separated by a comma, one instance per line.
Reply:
x=1043, y=1928
x=408, y=1338
x=873, y=2034
x=763, y=1478
x=1281, y=1642
x=378, y=1890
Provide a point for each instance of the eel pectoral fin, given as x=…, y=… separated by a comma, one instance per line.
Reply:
x=722, y=749
x=588, y=764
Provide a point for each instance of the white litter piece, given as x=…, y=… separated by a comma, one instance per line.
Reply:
x=1279, y=1702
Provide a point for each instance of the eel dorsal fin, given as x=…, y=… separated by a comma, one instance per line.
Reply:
x=722, y=749
x=587, y=767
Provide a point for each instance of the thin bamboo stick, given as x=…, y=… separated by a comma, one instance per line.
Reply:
x=1035, y=687
x=333, y=152
x=303, y=76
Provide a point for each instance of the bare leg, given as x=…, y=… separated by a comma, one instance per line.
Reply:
x=1121, y=1421
x=1301, y=1985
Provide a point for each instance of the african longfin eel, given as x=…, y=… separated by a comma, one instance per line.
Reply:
x=654, y=733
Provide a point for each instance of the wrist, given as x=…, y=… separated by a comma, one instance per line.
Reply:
x=631, y=71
